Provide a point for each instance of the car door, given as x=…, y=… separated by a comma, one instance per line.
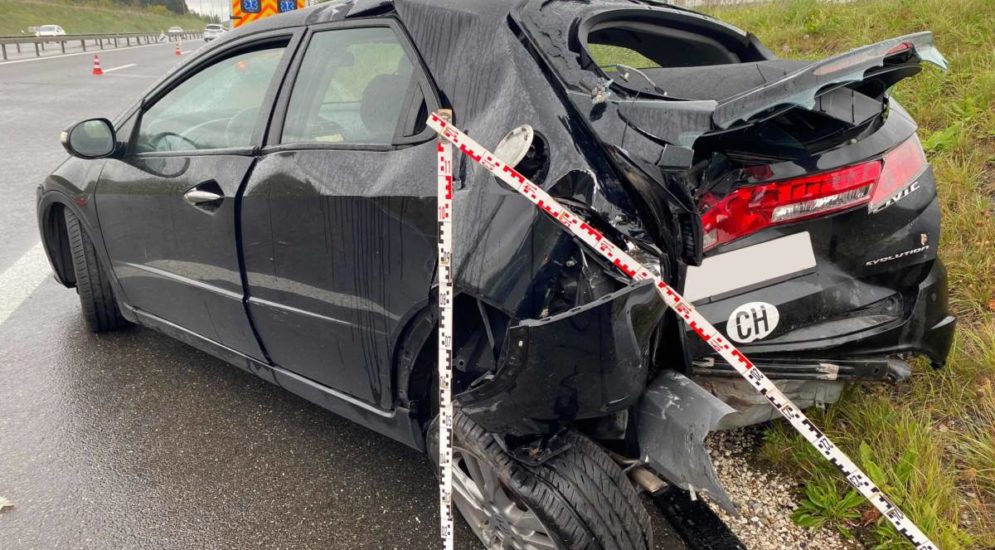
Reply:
x=168, y=208
x=338, y=229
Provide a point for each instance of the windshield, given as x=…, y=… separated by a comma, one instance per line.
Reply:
x=213, y=28
x=49, y=28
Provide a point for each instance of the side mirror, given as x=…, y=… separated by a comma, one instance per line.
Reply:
x=90, y=139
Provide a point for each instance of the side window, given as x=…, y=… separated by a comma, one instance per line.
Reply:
x=353, y=87
x=215, y=108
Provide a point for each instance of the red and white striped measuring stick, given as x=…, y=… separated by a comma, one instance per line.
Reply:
x=444, y=194
x=634, y=270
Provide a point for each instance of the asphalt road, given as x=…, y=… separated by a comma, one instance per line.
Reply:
x=134, y=440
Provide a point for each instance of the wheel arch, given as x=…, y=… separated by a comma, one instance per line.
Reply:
x=55, y=239
x=52, y=206
x=480, y=332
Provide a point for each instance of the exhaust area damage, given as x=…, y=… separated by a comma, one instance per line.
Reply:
x=675, y=415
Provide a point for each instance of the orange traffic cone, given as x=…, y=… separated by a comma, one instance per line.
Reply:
x=178, y=52
x=97, y=71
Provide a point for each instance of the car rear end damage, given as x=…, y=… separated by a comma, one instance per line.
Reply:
x=845, y=292
x=791, y=198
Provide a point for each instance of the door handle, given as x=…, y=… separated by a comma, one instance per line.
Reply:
x=207, y=196
x=199, y=196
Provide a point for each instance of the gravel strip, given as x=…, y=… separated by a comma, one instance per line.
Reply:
x=766, y=499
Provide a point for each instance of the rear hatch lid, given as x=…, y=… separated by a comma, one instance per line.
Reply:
x=763, y=90
x=726, y=85
x=738, y=80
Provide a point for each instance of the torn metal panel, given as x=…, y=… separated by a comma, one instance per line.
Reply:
x=586, y=362
x=675, y=415
x=678, y=122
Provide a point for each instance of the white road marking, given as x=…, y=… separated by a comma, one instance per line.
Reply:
x=91, y=52
x=128, y=66
x=21, y=279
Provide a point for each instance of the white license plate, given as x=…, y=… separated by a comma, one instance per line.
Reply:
x=747, y=267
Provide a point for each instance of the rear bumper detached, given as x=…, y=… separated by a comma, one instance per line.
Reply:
x=586, y=362
x=594, y=360
x=921, y=325
x=814, y=373
x=677, y=412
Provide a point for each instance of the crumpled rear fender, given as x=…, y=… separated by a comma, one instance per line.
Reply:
x=586, y=362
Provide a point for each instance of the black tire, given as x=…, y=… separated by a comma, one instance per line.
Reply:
x=581, y=496
x=100, y=311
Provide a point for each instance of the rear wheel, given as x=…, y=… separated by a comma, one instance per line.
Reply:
x=100, y=311
x=578, y=499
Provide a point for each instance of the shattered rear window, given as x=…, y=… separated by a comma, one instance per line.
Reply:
x=607, y=57
x=656, y=43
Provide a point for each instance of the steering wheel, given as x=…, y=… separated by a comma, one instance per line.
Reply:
x=158, y=138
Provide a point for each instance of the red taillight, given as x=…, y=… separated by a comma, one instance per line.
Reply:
x=902, y=166
x=749, y=209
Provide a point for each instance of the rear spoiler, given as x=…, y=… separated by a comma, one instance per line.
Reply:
x=802, y=87
x=681, y=123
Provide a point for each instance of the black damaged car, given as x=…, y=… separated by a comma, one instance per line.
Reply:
x=272, y=201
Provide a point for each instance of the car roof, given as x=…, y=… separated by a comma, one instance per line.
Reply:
x=337, y=10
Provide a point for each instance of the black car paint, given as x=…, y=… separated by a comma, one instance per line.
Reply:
x=843, y=307
x=616, y=329
x=171, y=257
x=335, y=315
x=507, y=258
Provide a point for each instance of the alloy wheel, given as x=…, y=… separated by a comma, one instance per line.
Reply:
x=499, y=520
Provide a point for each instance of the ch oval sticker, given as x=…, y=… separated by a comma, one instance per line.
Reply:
x=752, y=321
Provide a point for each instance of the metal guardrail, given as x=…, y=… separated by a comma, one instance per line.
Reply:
x=97, y=41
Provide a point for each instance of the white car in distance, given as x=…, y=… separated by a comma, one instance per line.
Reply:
x=49, y=31
x=212, y=31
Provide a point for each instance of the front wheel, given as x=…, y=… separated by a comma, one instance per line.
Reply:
x=578, y=499
x=100, y=311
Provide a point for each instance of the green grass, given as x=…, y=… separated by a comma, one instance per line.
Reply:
x=82, y=17
x=930, y=442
